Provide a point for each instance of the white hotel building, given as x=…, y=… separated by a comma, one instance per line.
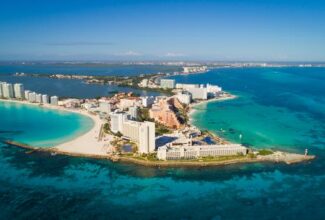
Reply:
x=1, y=89
x=167, y=83
x=54, y=100
x=193, y=152
x=143, y=133
x=19, y=91
x=45, y=99
x=8, y=90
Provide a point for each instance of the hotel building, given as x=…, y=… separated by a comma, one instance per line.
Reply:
x=38, y=98
x=194, y=69
x=162, y=113
x=19, y=91
x=32, y=97
x=117, y=119
x=128, y=102
x=198, y=93
x=54, y=100
x=184, y=97
x=8, y=90
x=143, y=133
x=147, y=101
x=45, y=99
x=147, y=137
x=167, y=83
x=1, y=89
x=194, y=152
x=133, y=112
x=186, y=86
x=26, y=94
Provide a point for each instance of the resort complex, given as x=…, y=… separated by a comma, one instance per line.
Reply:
x=133, y=125
x=143, y=128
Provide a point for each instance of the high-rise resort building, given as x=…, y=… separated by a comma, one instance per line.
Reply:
x=54, y=100
x=1, y=89
x=117, y=119
x=143, y=133
x=45, y=99
x=38, y=98
x=26, y=94
x=147, y=137
x=19, y=91
x=133, y=112
x=8, y=90
x=167, y=83
x=32, y=97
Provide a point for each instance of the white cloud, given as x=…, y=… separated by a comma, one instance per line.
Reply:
x=171, y=54
x=130, y=53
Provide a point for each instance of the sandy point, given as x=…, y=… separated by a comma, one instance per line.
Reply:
x=88, y=143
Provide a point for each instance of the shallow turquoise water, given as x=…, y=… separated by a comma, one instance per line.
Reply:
x=40, y=126
x=39, y=185
x=281, y=108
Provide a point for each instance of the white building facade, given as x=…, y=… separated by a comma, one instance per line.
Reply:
x=147, y=101
x=54, y=100
x=8, y=90
x=193, y=152
x=147, y=137
x=184, y=97
x=19, y=91
x=167, y=83
x=198, y=93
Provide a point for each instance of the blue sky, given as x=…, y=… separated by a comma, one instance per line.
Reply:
x=272, y=30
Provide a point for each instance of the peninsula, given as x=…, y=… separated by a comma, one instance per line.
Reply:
x=149, y=131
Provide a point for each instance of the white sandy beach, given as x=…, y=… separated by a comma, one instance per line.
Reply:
x=87, y=143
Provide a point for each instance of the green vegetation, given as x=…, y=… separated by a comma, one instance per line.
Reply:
x=143, y=115
x=221, y=158
x=162, y=129
x=182, y=114
x=251, y=155
x=148, y=157
x=107, y=128
x=119, y=134
x=265, y=152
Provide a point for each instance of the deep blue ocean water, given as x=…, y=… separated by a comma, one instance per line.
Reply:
x=39, y=185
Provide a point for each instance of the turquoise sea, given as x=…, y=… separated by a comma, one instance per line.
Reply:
x=38, y=126
x=277, y=107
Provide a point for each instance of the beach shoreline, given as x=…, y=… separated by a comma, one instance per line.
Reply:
x=192, y=106
x=86, y=143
